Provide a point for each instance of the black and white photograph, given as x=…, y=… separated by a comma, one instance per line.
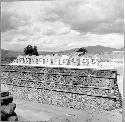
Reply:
x=62, y=60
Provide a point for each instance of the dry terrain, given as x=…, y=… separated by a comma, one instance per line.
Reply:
x=28, y=111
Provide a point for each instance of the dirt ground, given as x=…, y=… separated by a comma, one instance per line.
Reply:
x=28, y=111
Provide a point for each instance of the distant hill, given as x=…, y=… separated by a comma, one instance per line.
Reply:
x=122, y=49
x=100, y=49
x=8, y=56
x=10, y=53
x=91, y=50
x=59, y=52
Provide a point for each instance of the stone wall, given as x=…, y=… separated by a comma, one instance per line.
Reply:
x=65, y=87
x=58, y=60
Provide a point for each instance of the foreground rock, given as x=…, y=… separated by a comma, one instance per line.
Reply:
x=7, y=107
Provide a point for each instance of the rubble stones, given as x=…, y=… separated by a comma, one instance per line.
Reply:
x=7, y=107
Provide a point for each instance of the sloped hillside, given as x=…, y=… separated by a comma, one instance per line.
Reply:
x=8, y=56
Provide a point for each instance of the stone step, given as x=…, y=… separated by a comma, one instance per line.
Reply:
x=4, y=94
x=8, y=109
x=6, y=100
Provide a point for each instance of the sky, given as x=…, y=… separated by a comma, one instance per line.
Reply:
x=62, y=25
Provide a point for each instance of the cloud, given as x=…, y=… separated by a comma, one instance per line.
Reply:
x=12, y=20
x=109, y=40
x=99, y=16
x=59, y=25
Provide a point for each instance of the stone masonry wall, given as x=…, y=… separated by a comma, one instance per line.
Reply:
x=64, y=87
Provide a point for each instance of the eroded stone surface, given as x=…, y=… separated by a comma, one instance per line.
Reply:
x=7, y=107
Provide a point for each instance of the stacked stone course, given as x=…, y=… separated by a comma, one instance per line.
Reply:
x=72, y=60
x=64, y=87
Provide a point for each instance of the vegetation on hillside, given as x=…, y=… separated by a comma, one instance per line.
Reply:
x=82, y=51
x=8, y=56
x=7, y=59
x=29, y=50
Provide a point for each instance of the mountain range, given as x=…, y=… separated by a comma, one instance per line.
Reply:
x=91, y=50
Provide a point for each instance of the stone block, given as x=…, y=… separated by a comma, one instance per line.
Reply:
x=6, y=100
